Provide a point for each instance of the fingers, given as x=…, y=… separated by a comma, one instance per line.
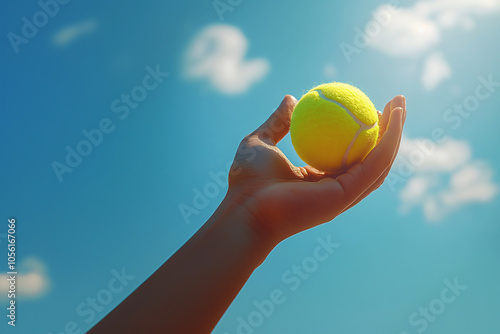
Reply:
x=373, y=187
x=398, y=101
x=384, y=120
x=381, y=179
x=362, y=176
x=278, y=124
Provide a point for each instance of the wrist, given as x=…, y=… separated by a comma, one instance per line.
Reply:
x=241, y=230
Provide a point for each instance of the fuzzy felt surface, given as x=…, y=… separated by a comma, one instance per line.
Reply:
x=334, y=126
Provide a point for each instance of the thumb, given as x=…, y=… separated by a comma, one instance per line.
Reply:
x=278, y=124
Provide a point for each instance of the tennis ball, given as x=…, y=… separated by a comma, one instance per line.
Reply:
x=334, y=126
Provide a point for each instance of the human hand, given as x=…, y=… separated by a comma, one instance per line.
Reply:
x=282, y=199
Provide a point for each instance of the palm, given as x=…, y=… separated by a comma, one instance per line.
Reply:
x=286, y=199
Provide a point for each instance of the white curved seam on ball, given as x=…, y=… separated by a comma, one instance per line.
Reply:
x=357, y=120
x=351, y=144
x=349, y=147
x=362, y=126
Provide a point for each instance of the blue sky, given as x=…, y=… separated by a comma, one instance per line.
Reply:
x=172, y=87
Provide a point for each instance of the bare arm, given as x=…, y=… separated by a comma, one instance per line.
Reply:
x=193, y=289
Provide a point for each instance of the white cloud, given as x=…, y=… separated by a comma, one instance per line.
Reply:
x=415, y=30
x=69, y=34
x=217, y=54
x=453, y=13
x=436, y=69
x=415, y=190
x=32, y=280
x=445, y=179
x=426, y=156
x=329, y=71
x=406, y=33
x=472, y=183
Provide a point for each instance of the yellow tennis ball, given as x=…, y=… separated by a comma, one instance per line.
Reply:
x=334, y=126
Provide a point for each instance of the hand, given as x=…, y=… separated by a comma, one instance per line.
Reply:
x=283, y=199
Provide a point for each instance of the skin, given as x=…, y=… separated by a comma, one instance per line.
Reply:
x=268, y=200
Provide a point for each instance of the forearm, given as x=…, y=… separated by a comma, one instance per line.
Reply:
x=191, y=291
